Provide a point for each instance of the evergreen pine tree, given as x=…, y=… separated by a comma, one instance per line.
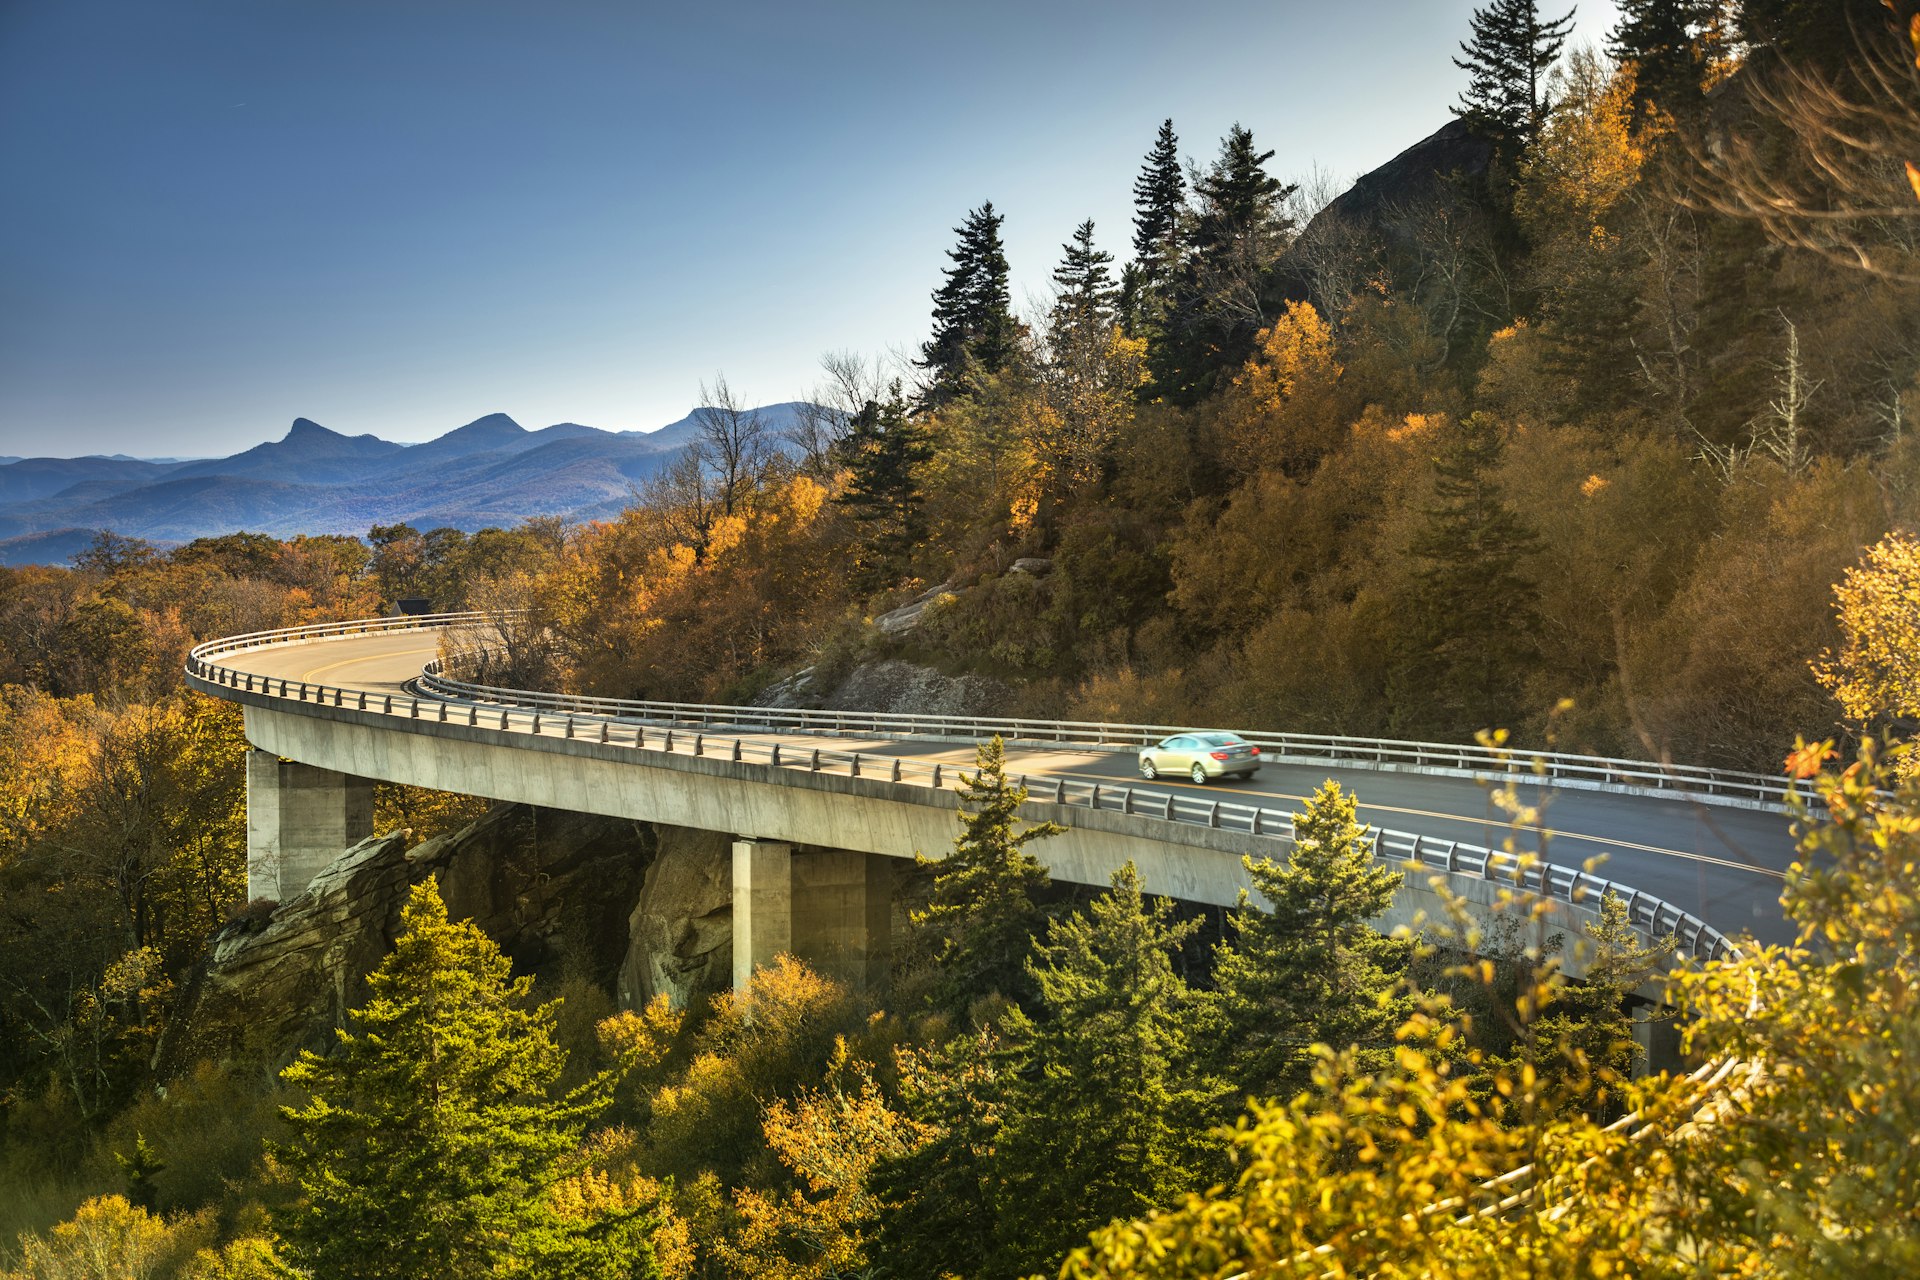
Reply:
x=433, y=1134
x=1108, y=1120
x=1669, y=43
x=1310, y=968
x=938, y=1202
x=884, y=450
x=1159, y=201
x=981, y=920
x=1218, y=302
x=1507, y=59
x=1083, y=305
x=1587, y=1033
x=1476, y=611
x=973, y=324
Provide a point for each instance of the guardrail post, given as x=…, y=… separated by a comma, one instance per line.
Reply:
x=503, y=717
x=668, y=746
x=699, y=743
x=303, y=692
x=854, y=772
x=443, y=713
x=1060, y=792
x=1213, y=815
x=473, y=714
x=1169, y=813
x=815, y=763
x=1126, y=800
x=896, y=768
x=1453, y=855
x=1256, y=821
x=569, y=726
x=606, y=730
x=736, y=751
x=536, y=720
x=413, y=711
x=776, y=755
x=363, y=699
x=386, y=708
x=936, y=775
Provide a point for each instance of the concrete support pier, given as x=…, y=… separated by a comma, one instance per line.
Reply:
x=299, y=818
x=831, y=908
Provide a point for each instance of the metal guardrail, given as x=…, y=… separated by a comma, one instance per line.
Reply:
x=601, y=720
x=1564, y=769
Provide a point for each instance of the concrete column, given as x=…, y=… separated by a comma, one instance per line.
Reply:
x=828, y=907
x=299, y=819
x=843, y=914
x=1658, y=1038
x=762, y=905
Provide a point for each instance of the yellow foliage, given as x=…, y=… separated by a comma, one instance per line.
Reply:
x=1876, y=673
x=641, y=1041
x=831, y=1138
x=110, y=1239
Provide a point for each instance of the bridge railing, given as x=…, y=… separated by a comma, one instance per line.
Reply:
x=542, y=716
x=1562, y=769
x=1565, y=769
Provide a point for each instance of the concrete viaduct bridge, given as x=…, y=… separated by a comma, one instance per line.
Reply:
x=820, y=804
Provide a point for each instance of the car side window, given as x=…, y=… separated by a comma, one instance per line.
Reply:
x=1180, y=743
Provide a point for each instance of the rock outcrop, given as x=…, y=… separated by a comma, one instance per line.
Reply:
x=556, y=890
x=680, y=934
x=905, y=688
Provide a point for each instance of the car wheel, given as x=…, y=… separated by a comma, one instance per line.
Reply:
x=1199, y=776
x=1147, y=770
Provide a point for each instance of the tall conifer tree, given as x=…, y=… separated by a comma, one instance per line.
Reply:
x=1507, y=59
x=1218, y=302
x=973, y=324
x=1671, y=46
x=884, y=450
x=1159, y=202
x=1310, y=967
x=434, y=1132
x=1476, y=610
x=1109, y=1118
x=981, y=920
x=1083, y=303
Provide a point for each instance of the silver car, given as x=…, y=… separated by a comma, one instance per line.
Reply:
x=1201, y=756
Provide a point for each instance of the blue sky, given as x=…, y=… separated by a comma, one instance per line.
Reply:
x=394, y=216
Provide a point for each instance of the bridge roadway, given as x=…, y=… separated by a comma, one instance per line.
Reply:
x=1725, y=865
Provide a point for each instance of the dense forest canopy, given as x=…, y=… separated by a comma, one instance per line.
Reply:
x=1587, y=418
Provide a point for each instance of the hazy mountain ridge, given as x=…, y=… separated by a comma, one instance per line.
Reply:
x=491, y=471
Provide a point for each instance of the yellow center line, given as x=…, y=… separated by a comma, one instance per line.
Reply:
x=371, y=657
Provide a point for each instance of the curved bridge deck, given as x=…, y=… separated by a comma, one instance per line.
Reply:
x=1720, y=864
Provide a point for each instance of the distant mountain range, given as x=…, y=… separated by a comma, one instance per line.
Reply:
x=493, y=471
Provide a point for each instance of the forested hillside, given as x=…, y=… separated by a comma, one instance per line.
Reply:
x=1556, y=439
x=1586, y=418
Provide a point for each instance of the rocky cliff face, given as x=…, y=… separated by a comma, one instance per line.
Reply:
x=633, y=908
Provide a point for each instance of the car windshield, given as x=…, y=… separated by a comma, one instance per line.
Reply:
x=1221, y=739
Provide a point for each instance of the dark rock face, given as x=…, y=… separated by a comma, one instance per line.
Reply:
x=554, y=889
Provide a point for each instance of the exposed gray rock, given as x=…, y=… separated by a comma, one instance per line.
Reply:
x=1038, y=566
x=554, y=889
x=898, y=622
x=680, y=935
x=907, y=689
x=796, y=691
